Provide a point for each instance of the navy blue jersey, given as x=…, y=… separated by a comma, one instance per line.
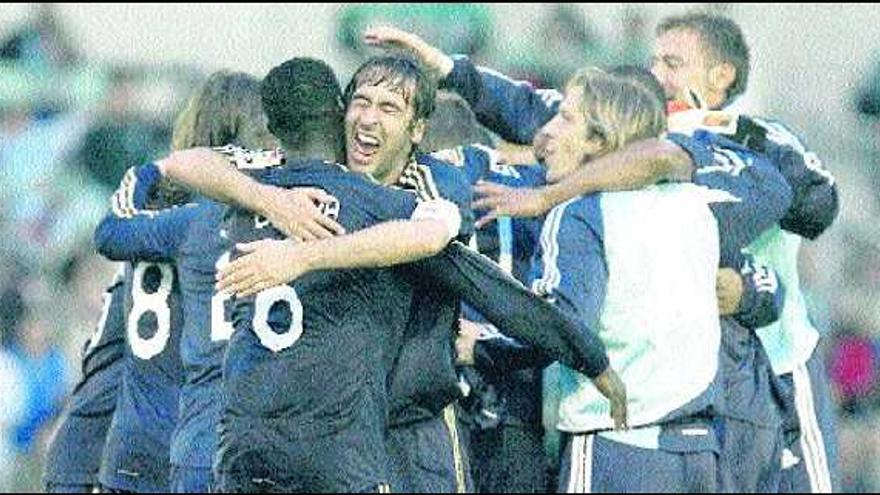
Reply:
x=763, y=194
x=815, y=204
x=315, y=353
x=136, y=451
x=191, y=237
x=74, y=455
x=139, y=439
x=417, y=391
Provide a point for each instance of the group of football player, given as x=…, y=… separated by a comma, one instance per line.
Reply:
x=307, y=301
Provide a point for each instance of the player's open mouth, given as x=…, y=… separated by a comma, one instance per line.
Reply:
x=365, y=146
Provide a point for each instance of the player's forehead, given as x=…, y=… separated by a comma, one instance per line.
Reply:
x=683, y=43
x=385, y=85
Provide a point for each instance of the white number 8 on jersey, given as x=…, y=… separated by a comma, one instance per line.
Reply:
x=143, y=303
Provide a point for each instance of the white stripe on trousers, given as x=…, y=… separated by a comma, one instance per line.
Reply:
x=581, y=470
x=812, y=443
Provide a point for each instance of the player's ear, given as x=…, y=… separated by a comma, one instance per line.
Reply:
x=722, y=76
x=417, y=131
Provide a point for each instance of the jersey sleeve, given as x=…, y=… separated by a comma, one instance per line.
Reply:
x=497, y=353
x=475, y=160
x=522, y=315
x=512, y=109
x=763, y=295
x=569, y=268
x=815, y=202
x=130, y=232
x=433, y=178
x=757, y=194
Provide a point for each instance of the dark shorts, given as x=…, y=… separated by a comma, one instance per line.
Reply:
x=509, y=459
x=750, y=459
x=190, y=480
x=268, y=456
x=684, y=463
x=430, y=456
x=811, y=463
x=62, y=488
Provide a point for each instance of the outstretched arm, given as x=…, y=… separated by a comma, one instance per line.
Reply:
x=512, y=109
x=215, y=175
x=269, y=263
x=638, y=165
x=130, y=231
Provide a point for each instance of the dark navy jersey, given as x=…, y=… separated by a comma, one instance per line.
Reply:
x=74, y=455
x=191, y=236
x=136, y=451
x=815, y=203
x=316, y=352
x=419, y=391
x=274, y=331
x=763, y=195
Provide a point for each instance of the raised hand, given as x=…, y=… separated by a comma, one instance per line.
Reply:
x=437, y=63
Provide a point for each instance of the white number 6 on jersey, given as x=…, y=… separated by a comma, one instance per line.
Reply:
x=275, y=341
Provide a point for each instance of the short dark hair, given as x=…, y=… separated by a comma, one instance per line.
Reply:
x=453, y=124
x=302, y=100
x=402, y=73
x=724, y=40
x=643, y=76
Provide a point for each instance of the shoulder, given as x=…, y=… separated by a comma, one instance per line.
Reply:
x=576, y=213
x=777, y=132
x=446, y=180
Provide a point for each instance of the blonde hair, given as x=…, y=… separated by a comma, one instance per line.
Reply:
x=619, y=110
x=226, y=109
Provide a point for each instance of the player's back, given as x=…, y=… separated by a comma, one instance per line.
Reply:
x=136, y=451
x=205, y=333
x=305, y=372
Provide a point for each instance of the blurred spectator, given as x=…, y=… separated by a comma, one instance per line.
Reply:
x=868, y=97
x=635, y=48
x=121, y=137
x=45, y=381
x=11, y=411
x=568, y=41
x=41, y=43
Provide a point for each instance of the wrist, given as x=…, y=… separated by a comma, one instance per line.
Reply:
x=259, y=199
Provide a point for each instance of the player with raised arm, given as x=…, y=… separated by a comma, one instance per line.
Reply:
x=496, y=98
x=238, y=460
